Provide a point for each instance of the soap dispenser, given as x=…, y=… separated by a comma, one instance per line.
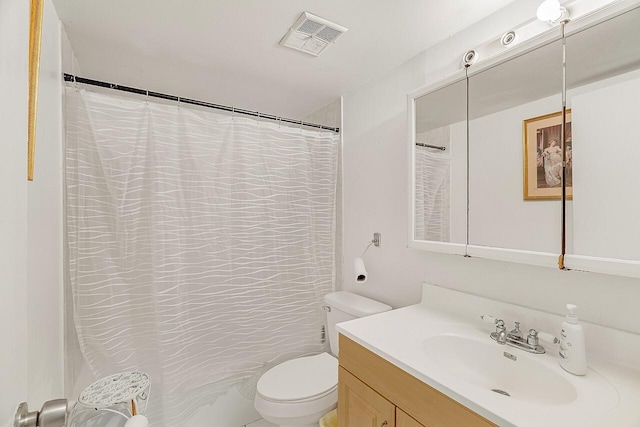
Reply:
x=573, y=357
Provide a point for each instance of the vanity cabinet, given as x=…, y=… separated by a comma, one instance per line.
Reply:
x=372, y=390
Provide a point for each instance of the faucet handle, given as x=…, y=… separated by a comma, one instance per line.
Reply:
x=490, y=319
x=499, y=323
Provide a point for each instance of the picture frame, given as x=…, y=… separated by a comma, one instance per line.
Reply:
x=35, y=41
x=543, y=157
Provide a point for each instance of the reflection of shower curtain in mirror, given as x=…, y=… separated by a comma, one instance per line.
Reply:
x=432, y=216
x=200, y=245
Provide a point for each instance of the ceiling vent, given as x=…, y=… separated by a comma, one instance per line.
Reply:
x=312, y=34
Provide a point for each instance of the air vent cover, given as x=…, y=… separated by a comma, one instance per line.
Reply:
x=312, y=34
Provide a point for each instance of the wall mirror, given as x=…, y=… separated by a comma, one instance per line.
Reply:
x=603, y=81
x=439, y=176
x=514, y=166
x=513, y=137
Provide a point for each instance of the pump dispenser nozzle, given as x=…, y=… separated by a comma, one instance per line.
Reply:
x=571, y=316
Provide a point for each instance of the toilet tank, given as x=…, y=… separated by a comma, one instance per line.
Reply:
x=345, y=306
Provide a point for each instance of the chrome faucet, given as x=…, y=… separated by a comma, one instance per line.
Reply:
x=500, y=333
x=515, y=337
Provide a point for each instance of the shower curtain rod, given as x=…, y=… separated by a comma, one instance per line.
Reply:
x=85, y=81
x=437, y=147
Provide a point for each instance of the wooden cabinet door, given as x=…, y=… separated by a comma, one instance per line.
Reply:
x=360, y=406
x=404, y=420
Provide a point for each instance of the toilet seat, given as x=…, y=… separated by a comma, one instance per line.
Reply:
x=299, y=380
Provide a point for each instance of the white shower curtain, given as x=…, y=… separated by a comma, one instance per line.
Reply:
x=432, y=201
x=200, y=245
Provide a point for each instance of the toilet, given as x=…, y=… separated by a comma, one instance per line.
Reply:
x=298, y=392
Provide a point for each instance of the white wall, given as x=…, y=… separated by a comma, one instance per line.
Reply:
x=375, y=199
x=14, y=45
x=31, y=361
x=44, y=228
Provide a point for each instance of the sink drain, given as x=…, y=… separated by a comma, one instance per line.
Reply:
x=502, y=392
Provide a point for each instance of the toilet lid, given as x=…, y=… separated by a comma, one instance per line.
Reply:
x=299, y=379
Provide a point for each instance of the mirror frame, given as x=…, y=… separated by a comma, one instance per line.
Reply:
x=548, y=34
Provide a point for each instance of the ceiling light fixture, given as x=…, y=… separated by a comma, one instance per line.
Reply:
x=469, y=58
x=550, y=11
x=312, y=34
x=508, y=38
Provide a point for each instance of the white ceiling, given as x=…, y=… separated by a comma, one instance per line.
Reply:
x=227, y=52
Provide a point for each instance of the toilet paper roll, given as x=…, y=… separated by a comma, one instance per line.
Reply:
x=361, y=272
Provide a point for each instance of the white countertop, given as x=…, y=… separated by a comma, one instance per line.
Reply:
x=399, y=337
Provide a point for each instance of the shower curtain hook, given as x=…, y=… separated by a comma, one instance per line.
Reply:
x=258, y=118
x=279, y=121
x=178, y=102
x=301, y=124
x=233, y=113
x=147, y=97
x=75, y=83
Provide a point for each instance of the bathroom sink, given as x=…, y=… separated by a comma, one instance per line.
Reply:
x=443, y=345
x=511, y=373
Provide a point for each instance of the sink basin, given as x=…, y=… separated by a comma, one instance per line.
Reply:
x=500, y=369
x=441, y=343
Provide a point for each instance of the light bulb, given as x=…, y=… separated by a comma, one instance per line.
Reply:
x=549, y=11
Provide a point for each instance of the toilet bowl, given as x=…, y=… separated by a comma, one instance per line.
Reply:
x=298, y=392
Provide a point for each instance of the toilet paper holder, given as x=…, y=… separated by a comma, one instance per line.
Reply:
x=375, y=242
x=358, y=264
